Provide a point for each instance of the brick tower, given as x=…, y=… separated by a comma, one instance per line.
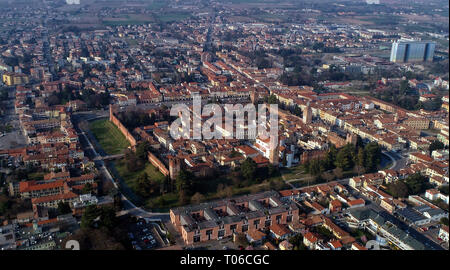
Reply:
x=307, y=115
x=351, y=138
x=174, y=167
x=273, y=155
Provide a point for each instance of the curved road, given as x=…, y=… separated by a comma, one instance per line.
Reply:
x=128, y=206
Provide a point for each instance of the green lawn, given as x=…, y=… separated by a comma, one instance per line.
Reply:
x=131, y=177
x=128, y=19
x=36, y=176
x=155, y=5
x=173, y=16
x=295, y=172
x=109, y=136
x=129, y=180
x=163, y=203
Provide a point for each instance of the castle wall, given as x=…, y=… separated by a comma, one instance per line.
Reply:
x=130, y=138
x=158, y=164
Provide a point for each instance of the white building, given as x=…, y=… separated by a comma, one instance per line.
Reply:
x=443, y=233
x=73, y=2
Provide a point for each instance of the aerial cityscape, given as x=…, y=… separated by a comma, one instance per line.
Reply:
x=224, y=125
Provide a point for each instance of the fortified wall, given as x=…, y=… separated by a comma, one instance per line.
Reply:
x=121, y=127
x=158, y=164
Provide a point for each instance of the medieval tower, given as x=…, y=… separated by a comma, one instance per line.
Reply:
x=307, y=115
x=273, y=155
x=174, y=167
x=352, y=138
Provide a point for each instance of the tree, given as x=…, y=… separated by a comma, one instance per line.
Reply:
x=328, y=176
x=4, y=205
x=272, y=99
x=197, y=198
x=262, y=62
x=318, y=46
x=248, y=169
x=398, y=189
x=361, y=157
x=330, y=157
x=344, y=158
x=183, y=198
x=142, y=150
x=372, y=153
x=444, y=221
x=87, y=189
x=184, y=181
x=95, y=239
x=88, y=218
x=64, y=208
x=133, y=163
x=315, y=167
x=359, y=169
x=435, y=145
x=144, y=188
x=416, y=183
x=444, y=189
x=53, y=100
x=271, y=170
x=338, y=173
x=228, y=191
x=297, y=242
x=108, y=218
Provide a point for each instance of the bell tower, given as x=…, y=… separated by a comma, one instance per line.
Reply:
x=307, y=115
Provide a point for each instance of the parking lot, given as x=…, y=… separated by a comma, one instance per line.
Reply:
x=432, y=232
x=144, y=236
x=14, y=137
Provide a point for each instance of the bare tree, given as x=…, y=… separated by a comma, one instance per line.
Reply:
x=338, y=173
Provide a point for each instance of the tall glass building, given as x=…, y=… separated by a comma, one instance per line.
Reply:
x=404, y=51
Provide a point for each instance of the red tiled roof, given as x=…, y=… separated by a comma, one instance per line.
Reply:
x=64, y=196
x=311, y=237
x=33, y=186
x=356, y=202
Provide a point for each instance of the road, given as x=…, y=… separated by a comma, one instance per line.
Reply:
x=127, y=205
x=398, y=161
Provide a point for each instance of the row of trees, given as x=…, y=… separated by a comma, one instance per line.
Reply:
x=92, y=99
x=435, y=145
x=412, y=185
x=407, y=97
x=191, y=189
x=101, y=230
x=363, y=159
x=134, y=119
